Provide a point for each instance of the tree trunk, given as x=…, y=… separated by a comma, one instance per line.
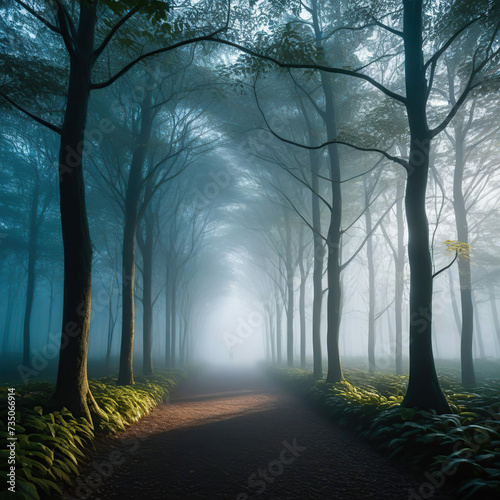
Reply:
x=334, y=299
x=132, y=195
x=271, y=336
x=290, y=292
x=319, y=250
x=109, y=343
x=147, y=278
x=30, y=286
x=333, y=242
x=51, y=301
x=479, y=334
x=72, y=390
x=468, y=375
x=11, y=300
x=278, y=329
x=453, y=299
x=302, y=300
x=371, y=282
x=399, y=278
x=173, y=330
x=168, y=324
x=423, y=386
x=494, y=312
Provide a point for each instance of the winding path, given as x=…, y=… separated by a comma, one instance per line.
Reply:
x=231, y=436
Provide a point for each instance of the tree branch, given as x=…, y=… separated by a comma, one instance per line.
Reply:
x=395, y=159
x=125, y=69
x=66, y=27
x=326, y=69
x=43, y=122
x=51, y=26
x=114, y=29
x=439, y=53
x=354, y=255
x=446, y=267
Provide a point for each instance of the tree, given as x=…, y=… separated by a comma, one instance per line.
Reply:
x=423, y=389
x=77, y=29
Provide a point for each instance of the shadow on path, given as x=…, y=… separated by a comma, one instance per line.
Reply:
x=221, y=438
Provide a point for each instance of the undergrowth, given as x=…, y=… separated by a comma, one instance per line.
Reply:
x=460, y=450
x=50, y=446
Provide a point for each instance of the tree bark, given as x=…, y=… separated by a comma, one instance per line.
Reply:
x=32, y=257
x=467, y=362
x=72, y=390
x=334, y=301
x=494, y=312
x=168, y=325
x=478, y=337
x=423, y=386
x=173, y=330
x=319, y=250
x=290, y=291
x=146, y=246
x=371, y=282
x=453, y=299
x=132, y=195
x=399, y=278
x=302, y=300
x=278, y=329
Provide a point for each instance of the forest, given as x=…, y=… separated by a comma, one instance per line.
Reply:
x=281, y=215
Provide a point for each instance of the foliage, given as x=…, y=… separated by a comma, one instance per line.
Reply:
x=464, y=447
x=459, y=247
x=50, y=446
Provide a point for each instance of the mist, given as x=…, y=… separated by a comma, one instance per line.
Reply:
x=299, y=193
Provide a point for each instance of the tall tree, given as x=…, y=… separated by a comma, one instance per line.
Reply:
x=76, y=27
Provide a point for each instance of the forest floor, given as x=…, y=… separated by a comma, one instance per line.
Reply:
x=235, y=436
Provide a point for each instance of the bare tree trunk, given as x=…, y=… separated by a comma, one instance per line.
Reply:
x=132, y=195
x=290, y=292
x=334, y=231
x=271, y=336
x=173, y=329
x=468, y=375
x=302, y=300
x=32, y=257
x=168, y=320
x=334, y=301
x=72, y=389
x=479, y=332
x=423, y=385
x=278, y=329
x=494, y=312
x=146, y=246
x=399, y=278
x=371, y=282
x=453, y=299
x=319, y=250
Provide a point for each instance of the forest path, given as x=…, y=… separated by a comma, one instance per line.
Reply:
x=221, y=433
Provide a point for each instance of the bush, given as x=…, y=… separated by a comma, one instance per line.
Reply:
x=50, y=446
x=464, y=445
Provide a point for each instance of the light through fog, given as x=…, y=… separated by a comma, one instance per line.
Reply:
x=230, y=210
x=234, y=334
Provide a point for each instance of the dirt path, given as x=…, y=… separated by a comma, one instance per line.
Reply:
x=232, y=438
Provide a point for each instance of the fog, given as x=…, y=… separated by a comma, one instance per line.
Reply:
x=229, y=210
